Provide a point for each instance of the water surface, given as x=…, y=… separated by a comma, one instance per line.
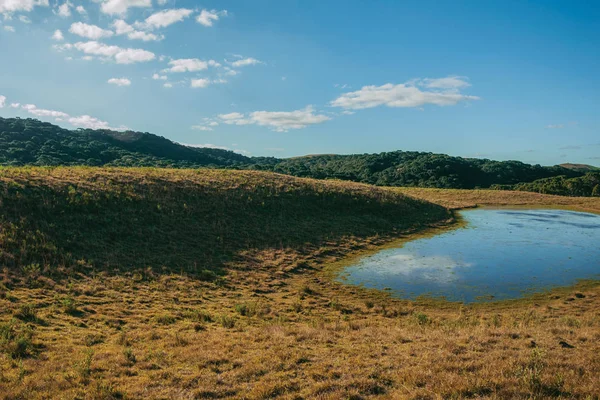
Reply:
x=500, y=254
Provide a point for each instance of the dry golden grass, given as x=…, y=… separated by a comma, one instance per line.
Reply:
x=277, y=326
x=459, y=198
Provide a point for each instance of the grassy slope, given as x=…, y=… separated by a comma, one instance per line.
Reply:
x=277, y=327
x=457, y=198
x=182, y=219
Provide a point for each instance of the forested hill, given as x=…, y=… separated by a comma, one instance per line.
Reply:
x=402, y=168
x=31, y=142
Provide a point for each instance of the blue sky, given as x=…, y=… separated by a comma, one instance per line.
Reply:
x=494, y=79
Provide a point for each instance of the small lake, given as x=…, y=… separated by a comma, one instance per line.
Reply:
x=499, y=254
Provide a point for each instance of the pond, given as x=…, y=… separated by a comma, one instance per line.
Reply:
x=498, y=254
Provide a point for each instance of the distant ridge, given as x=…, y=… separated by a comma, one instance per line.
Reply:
x=580, y=167
x=32, y=142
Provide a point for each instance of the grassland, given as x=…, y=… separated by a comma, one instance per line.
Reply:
x=143, y=283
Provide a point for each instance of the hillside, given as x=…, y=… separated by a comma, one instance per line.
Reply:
x=31, y=142
x=405, y=168
x=587, y=185
x=57, y=218
x=580, y=167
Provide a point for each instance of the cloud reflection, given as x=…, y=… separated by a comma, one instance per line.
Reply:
x=435, y=269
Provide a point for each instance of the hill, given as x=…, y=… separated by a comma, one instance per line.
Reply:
x=580, y=167
x=31, y=142
x=57, y=218
x=419, y=169
x=587, y=185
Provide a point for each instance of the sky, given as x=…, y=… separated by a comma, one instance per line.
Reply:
x=502, y=80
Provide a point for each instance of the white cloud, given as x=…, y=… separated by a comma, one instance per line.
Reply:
x=121, y=55
x=119, y=81
x=58, y=36
x=230, y=72
x=120, y=7
x=234, y=116
x=145, y=36
x=81, y=10
x=449, y=82
x=201, y=128
x=24, y=19
x=82, y=121
x=168, y=85
x=64, y=10
x=10, y=6
x=15, y=105
x=89, y=31
x=164, y=18
x=9, y=28
x=280, y=121
x=246, y=61
x=88, y=122
x=40, y=112
x=200, y=83
x=556, y=126
x=401, y=95
x=123, y=28
x=207, y=18
x=159, y=77
x=2, y=101
x=190, y=65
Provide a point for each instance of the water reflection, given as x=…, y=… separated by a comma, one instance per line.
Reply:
x=501, y=254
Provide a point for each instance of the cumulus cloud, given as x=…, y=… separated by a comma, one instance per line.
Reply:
x=9, y=28
x=58, y=35
x=159, y=77
x=24, y=19
x=89, y=31
x=81, y=10
x=246, y=61
x=168, y=85
x=15, y=105
x=190, y=65
x=120, y=7
x=410, y=94
x=279, y=121
x=164, y=18
x=120, y=55
x=2, y=101
x=123, y=28
x=10, y=6
x=64, y=10
x=119, y=81
x=207, y=18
